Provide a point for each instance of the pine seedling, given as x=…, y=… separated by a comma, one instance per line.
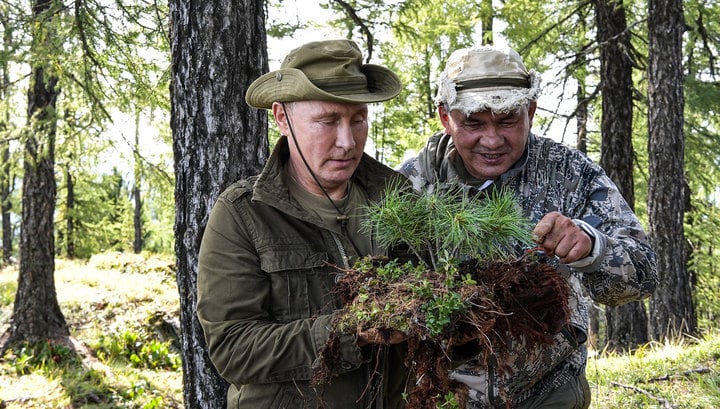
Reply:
x=449, y=225
x=466, y=284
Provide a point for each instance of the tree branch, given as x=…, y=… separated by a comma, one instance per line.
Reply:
x=664, y=403
x=702, y=370
x=352, y=14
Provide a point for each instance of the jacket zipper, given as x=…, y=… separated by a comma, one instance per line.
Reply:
x=341, y=249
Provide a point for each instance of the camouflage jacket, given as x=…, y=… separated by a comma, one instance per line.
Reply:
x=622, y=267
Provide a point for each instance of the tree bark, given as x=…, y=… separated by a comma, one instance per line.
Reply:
x=70, y=214
x=626, y=324
x=218, y=48
x=6, y=205
x=672, y=312
x=582, y=117
x=137, y=214
x=6, y=177
x=36, y=312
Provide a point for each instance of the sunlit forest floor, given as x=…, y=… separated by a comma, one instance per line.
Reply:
x=123, y=310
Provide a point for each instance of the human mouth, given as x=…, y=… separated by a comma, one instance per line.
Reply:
x=491, y=156
x=342, y=162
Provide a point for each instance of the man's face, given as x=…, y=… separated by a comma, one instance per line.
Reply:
x=489, y=143
x=330, y=135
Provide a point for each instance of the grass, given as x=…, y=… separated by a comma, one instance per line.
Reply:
x=678, y=374
x=122, y=310
x=115, y=304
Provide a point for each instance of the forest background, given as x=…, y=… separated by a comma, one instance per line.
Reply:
x=121, y=121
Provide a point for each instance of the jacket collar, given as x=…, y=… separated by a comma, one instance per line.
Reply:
x=270, y=188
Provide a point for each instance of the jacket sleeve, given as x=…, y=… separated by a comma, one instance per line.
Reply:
x=624, y=269
x=245, y=343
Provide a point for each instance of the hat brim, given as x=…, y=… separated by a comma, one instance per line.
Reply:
x=496, y=99
x=499, y=100
x=291, y=84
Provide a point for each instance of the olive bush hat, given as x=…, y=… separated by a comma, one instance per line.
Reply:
x=486, y=78
x=329, y=70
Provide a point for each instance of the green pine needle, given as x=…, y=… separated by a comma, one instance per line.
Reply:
x=449, y=225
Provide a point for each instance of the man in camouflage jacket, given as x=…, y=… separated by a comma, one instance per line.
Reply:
x=486, y=102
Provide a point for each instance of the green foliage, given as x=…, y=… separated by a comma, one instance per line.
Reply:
x=450, y=225
x=445, y=227
x=139, y=352
x=7, y=293
x=140, y=300
x=103, y=211
x=440, y=311
x=143, y=388
x=102, y=216
x=107, y=57
x=684, y=373
x=449, y=401
x=702, y=153
x=702, y=225
x=41, y=355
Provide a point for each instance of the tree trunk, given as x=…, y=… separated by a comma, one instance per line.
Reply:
x=137, y=215
x=671, y=306
x=36, y=312
x=218, y=48
x=6, y=178
x=6, y=205
x=626, y=324
x=581, y=115
x=488, y=17
x=70, y=214
x=616, y=153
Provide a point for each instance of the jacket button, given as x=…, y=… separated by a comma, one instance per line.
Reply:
x=346, y=365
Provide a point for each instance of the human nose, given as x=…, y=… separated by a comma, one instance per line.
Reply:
x=493, y=138
x=345, y=137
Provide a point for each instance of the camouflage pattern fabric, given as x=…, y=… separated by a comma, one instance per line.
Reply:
x=622, y=267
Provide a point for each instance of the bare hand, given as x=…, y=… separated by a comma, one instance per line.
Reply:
x=379, y=336
x=559, y=236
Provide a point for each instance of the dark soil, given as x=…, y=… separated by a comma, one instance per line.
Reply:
x=517, y=298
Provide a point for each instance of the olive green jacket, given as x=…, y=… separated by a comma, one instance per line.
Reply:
x=266, y=270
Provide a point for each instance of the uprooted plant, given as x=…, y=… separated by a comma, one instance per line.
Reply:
x=463, y=283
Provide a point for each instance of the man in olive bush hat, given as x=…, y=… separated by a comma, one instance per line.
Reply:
x=272, y=246
x=486, y=102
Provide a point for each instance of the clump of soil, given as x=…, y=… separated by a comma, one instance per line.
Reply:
x=475, y=306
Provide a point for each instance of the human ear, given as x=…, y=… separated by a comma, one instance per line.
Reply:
x=278, y=111
x=531, y=110
x=444, y=117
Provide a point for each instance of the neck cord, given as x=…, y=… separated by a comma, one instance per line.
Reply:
x=342, y=218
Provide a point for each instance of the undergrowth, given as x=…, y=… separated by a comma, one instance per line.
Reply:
x=680, y=374
x=104, y=306
x=122, y=310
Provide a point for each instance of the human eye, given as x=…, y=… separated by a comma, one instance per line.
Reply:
x=472, y=124
x=509, y=121
x=327, y=120
x=358, y=119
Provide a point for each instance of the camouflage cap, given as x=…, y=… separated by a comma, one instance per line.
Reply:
x=486, y=78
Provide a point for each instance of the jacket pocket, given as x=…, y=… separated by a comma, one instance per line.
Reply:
x=299, y=280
